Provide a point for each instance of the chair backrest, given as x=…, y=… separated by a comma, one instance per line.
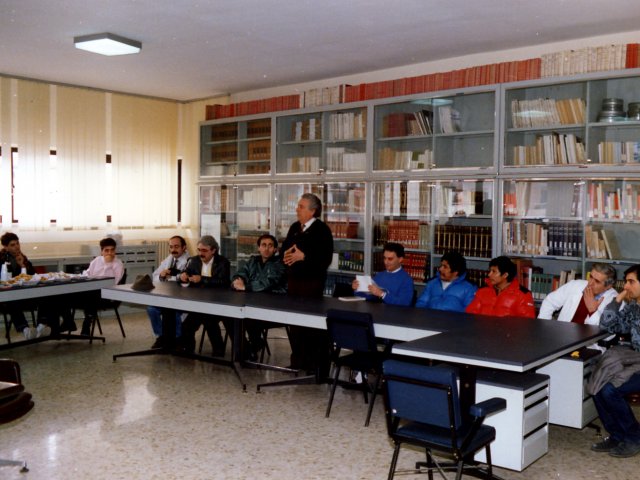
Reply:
x=422, y=394
x=123, y=280
x=351, y=330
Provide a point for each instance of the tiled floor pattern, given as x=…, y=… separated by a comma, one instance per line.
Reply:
x=161, y=417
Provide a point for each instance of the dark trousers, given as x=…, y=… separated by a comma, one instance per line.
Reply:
x=615, y=412
x=310, y=349
x=211, y=325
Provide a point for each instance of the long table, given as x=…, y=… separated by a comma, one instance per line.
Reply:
x=471, y=341
x=49, y=289
x=172, y=297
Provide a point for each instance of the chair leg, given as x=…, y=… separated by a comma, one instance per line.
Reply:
x=333, y=390
x=119, y=322
x=202, y=339
x=7, y=328
x=14, y=463
x=373, y=399
x=487, y=449
x=459, y=470
x=394, y=461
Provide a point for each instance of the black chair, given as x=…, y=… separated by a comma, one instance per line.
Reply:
x=354, y=331
x=423, y=409
x=105, y=304
x=14, y=401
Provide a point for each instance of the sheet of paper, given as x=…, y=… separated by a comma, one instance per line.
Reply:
x=363, y=283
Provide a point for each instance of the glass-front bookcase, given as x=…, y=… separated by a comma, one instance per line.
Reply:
x=343, y=210
x=236, y=216
x=546, y=125
x=235, y=148
x=455, y=131
x=331, y=142
x=463, y=221
x=401, y=213
x=612, y=225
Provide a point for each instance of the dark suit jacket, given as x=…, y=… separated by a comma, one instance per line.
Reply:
x=220, y=272
x=13, y=267
x=308, y=276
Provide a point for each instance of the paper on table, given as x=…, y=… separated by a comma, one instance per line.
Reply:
x=363, y=283
x=352, y=299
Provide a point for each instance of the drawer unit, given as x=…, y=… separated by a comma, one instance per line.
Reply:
x=569, y=403
x=522, y=429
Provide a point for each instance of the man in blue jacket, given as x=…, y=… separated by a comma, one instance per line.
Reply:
x=393, y=286
x=449, y=289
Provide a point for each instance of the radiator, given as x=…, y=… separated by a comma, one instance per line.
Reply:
x=162, y=251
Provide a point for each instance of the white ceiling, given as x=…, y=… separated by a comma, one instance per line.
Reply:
x=196, y=49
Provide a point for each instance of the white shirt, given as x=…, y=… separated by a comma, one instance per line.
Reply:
x=567, y=298
x=99, y=268
x=181, y=263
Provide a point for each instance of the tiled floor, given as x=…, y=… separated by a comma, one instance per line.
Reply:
x=166, y=418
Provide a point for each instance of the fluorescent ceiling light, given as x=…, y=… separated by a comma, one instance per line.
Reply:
x=107, y=44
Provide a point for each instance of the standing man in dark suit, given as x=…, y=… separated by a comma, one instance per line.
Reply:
x=307, y=252
x=208, y=269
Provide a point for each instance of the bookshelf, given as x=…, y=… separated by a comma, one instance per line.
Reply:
x=330, y=141
x=235, y=148
x=529, y=169
x=436, y=133
x=236, y=216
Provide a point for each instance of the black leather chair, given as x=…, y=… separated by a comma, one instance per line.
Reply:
x=353, y=331
x=14, y=401
x=423, y=409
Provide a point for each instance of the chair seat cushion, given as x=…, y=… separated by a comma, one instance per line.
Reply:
x=440, y=438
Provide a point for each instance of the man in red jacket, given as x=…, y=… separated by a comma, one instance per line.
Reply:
x=503, y=296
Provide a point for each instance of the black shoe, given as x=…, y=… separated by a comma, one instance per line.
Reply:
x=625, y=450
x=158, y=343
x=86, y=326
x=605, y=445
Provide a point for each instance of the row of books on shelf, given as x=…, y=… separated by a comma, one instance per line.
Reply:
x=348, y=125
x=351, y=261
x=392, y=159
x=402, y=124
x=585, y=60
x=551, y=149
x=489, y=74
x=343, y=229
x=543, y=199
x=302, y=164
x=254, y=197
x=227, y=152
x=316, y=97
x=470, y=241
x=259, y=150
x=409, y=233
x=619, y=152
x=307, y=129
x=456, y=202
x=341, y=159
x=403, y=198
x=562, y=239
x=224, y=132
x=416, y=264
x=253, y=107
x=613, y=203
x=344, y=200
x=567, y=62
x=601, y=243
x=544, y=112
